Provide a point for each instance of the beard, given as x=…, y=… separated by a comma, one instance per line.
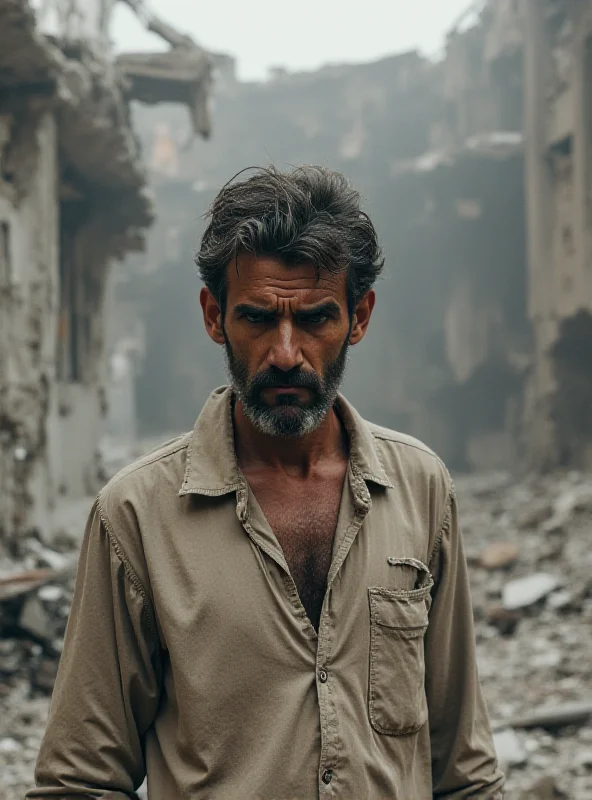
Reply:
x=288, y=416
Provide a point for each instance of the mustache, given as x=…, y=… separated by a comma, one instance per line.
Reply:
x=273, y=377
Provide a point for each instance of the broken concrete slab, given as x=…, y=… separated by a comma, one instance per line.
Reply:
x=550, y=717
x=37, y=621
x=24, y=582
x=524, y=592
x=509, y=748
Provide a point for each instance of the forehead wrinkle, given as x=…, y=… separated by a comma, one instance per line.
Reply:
x=300, y=282
x=263, y=280
x=293, y=298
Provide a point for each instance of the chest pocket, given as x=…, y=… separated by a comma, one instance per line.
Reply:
x=398, y=621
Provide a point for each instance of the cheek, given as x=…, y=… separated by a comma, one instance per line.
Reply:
x=323, y=349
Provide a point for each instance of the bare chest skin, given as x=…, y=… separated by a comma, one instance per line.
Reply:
x=303, y=516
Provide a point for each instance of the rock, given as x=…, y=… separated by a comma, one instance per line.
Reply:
x=546, y=660
x=34, y=619
x=9, y=745
x=10, y=656
x=503, y=621
x=499, y=554
x=534, y=516
x=509, y=748
x=551, y=717
x=44, y=676
x=24, y=582
x=544, y=789
x=524, y=592
x=57, y=561
x=561, y=599
x=50, y=594
x=583, y=759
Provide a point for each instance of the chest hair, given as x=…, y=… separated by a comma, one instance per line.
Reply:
x=304, y=526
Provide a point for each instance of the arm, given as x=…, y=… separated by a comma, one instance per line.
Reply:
x=107, y=687
x=464, y=763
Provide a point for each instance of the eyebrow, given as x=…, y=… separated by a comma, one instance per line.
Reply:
x=328, y=307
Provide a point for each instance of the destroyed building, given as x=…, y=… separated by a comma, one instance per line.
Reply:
x=558, y=119
x=73, y=198
x=518, y=85
x=476, y=171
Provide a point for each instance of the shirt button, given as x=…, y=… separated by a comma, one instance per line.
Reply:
x=327, y=776
x=323, y=675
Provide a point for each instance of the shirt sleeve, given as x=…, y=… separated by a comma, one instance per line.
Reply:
x=108, y=684
x=464, y=763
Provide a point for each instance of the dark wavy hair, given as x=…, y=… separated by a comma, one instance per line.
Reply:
x=310, y=214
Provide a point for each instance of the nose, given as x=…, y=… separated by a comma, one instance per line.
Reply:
x=285, y=352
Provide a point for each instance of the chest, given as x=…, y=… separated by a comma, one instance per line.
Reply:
x=303, y=517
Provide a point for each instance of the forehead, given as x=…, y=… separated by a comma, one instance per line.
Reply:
x=265, y=277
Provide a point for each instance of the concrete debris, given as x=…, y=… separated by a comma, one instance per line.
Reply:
x=510, y=750
x=560, y=599
x=543, y=789
x=499, y=555
x=24, y=582
x=35, y=620
x=534, y=660
x=554, y=717
x=527, y=591
x=535, y=515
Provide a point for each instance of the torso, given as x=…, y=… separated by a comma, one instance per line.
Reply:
x=303, y=516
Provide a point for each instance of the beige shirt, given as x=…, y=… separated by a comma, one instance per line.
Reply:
x=189, y=656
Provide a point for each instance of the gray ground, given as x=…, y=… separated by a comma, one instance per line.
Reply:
x=534, y=637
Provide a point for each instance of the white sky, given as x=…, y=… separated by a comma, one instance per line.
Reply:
x=299, y=35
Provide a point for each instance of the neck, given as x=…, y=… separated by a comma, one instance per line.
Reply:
x=296, y=455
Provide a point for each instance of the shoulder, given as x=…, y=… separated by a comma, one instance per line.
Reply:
x=397, y=447
x=413, y=466
x=155, y=475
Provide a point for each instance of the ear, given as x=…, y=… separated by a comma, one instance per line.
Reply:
x=362, y=314
x=212, y=315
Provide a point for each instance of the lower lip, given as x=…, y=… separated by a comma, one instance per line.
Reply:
x=286, y=390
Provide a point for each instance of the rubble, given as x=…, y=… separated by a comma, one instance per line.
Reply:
x=499, y=555
x=529, y=590
x=533, y=657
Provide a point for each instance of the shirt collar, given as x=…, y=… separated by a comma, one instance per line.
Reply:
x=212, y=468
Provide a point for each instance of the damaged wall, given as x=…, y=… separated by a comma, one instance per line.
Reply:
x=29, y=292
x=477, y=173
x=442, y=176
x=71, y=200
x=360, y=119
x=558, y=74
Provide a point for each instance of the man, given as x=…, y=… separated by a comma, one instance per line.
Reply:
x=275, y=606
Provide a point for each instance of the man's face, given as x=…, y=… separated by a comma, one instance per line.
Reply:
x=286, y=336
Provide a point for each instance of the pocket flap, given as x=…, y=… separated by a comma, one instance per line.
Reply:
x=400, y=609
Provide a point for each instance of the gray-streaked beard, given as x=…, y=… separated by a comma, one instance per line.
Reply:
x=289, y=417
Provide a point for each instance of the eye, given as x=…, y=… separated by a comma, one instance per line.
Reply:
x=315, y=319
x=255, y=319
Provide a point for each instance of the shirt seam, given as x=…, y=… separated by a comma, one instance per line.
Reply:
x=444, y=527
x=425, y=450
x=128, y=569
x=132, y=469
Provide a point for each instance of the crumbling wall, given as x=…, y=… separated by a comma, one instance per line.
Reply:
x=360, y=119
x=558, y=74
x=72, y=199
x=29, y=290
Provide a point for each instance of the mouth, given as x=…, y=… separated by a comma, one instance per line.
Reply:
x=299, y=393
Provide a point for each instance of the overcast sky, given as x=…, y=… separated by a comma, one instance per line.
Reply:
x=299, y=35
